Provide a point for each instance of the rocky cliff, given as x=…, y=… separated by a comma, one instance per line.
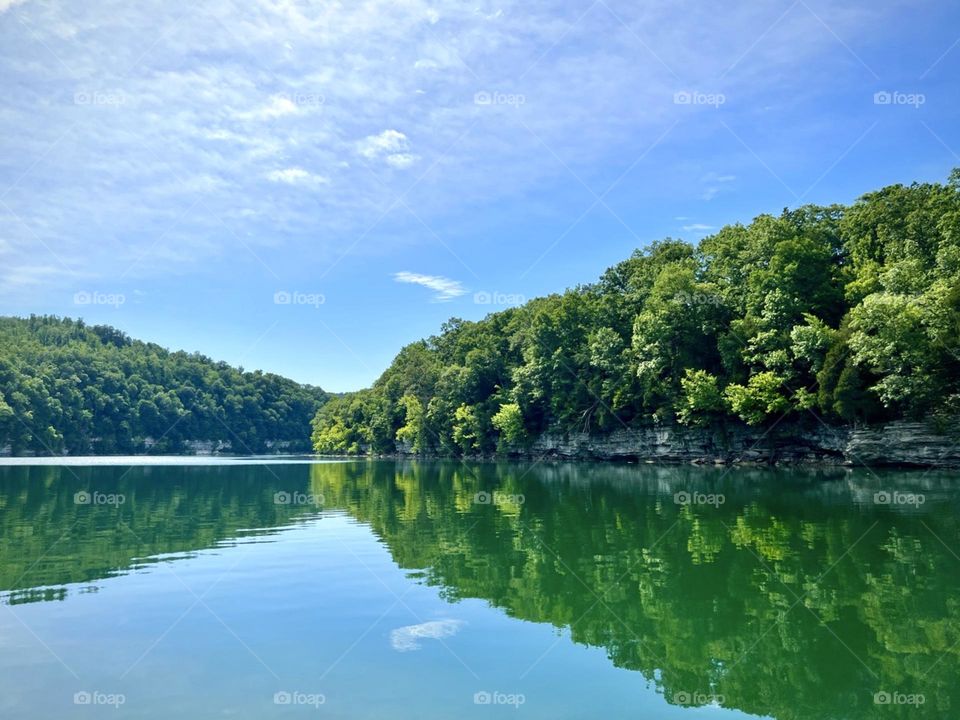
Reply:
x=901, y=443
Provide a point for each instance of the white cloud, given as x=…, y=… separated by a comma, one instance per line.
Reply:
x=243, y=96
x=296, y=176
x=405, y=639
x=401, y=160
x=445, y=288
x=389, y=143
x=715, y=184
x=7, y=4
x=697, y=227
x=279, y=107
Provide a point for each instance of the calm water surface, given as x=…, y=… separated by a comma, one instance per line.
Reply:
x=268, y=589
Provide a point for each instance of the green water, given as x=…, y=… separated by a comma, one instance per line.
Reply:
x=442, y=590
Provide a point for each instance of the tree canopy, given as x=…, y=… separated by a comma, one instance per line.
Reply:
x=69, y=387
x=848, y=312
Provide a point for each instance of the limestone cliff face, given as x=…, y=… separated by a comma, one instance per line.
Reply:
x=900, y=443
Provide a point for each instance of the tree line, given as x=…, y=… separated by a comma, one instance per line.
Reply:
x=66, y=386
x=850, y=313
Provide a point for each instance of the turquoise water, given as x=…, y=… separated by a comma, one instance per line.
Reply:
x=252, y=589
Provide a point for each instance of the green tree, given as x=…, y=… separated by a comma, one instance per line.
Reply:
x=508, y=420
x=702, y=400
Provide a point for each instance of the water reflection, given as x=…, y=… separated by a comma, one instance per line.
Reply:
x=791, y=594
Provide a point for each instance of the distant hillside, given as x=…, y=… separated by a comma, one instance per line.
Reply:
x=70, y=387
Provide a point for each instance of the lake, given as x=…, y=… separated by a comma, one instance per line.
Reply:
x=222, y=588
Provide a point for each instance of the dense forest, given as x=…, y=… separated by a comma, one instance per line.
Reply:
x=850, y=313
x=69, y=387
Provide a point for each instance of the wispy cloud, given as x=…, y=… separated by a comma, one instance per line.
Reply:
x=445, y=288
x=109, y=143
x=715, y=184
x=390, y=146
x=296, y=176
x=697, y=227
x=405, y=639
x=7, y=4
x=400, y=160
x=278, y=106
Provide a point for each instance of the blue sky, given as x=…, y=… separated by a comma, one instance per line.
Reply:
x=304, y=187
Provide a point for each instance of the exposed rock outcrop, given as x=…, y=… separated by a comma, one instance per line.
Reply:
x=901, y=443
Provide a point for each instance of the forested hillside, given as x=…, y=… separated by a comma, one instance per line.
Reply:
x=67, y=386
x=851, y=313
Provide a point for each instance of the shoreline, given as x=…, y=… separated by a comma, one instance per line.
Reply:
x=899, y=444
x=904, y=445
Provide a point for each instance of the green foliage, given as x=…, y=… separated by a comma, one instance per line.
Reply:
x=340, y=426
x=414, y=430
x=761, y=397
x=467, y=429
x=701, y=400
x=852, y=313
x=508, y=420
x=69, y=387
